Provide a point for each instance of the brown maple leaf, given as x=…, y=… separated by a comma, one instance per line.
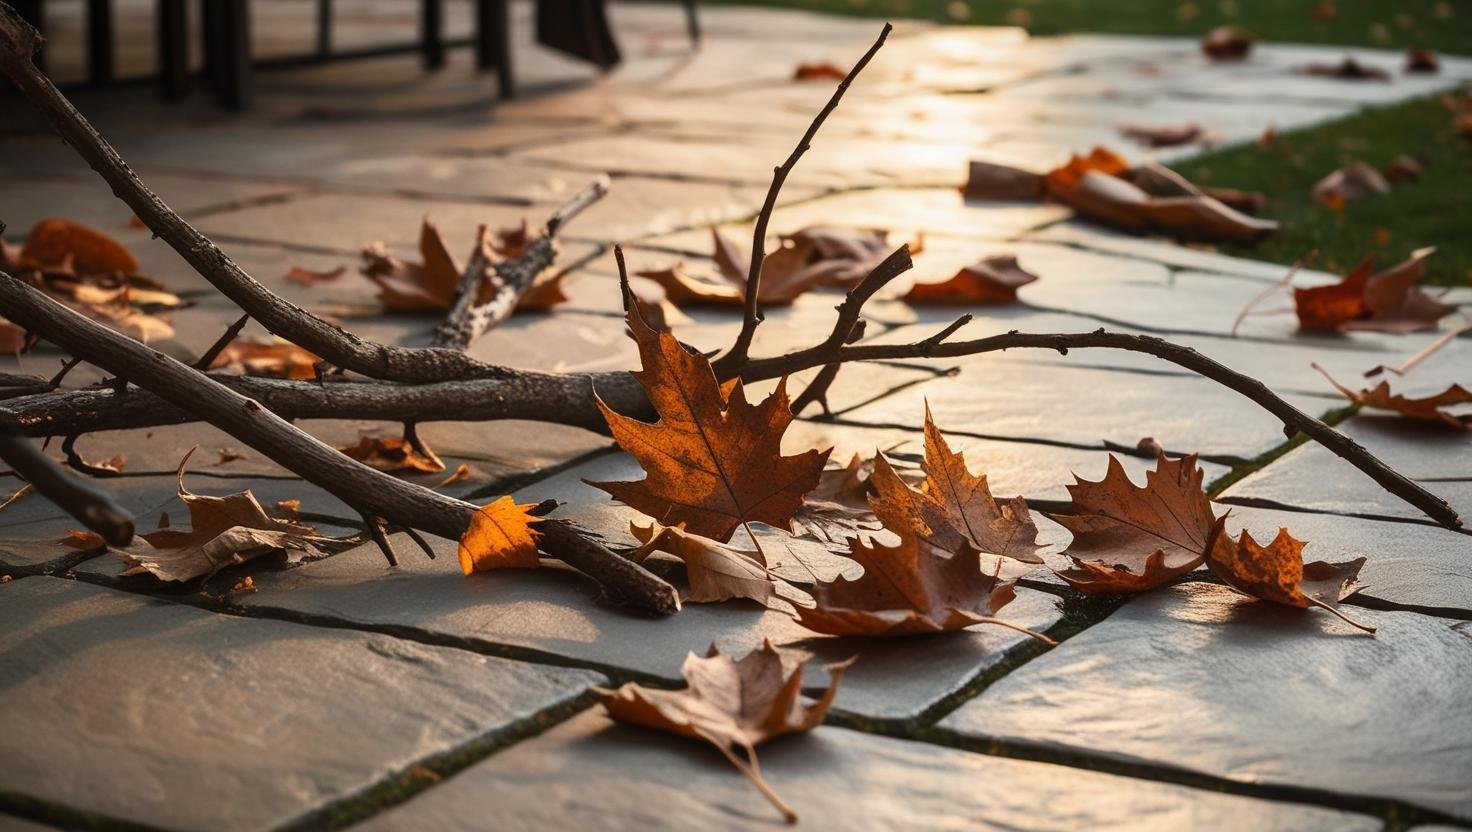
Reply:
x=273, y=359
x=393, y=453
x=713, y=461
x=428, y=286
x=1442, y=408
x=730, y=703
x=223, y=531
x=953, y=508
x=716, y=571
x=1277, y=573
x=1387, y=301
x=991, y=280
x=1127, y=538
x=501, y=535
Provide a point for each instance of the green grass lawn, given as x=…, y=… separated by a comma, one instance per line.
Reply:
x=1445, y=25
x=1434, y=211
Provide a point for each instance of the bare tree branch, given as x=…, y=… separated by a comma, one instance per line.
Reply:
x=371, y=492
x=92, y=506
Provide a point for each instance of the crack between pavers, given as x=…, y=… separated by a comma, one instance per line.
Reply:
x=63, y=816
x=1259, y=502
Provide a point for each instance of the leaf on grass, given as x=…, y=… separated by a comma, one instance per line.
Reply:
x=501, y=535
x=1277, y=573
x=953, y=507
x=1350, y=183
x=1228, y=43
x=428, y=286
x=1127, y=538
x=992, y=280
x=730, y=703
x=713, y=461
x=273, y=359
x=1348, y=69
x=393, y=453
x=716, y=571
x=1404, y=168
x=223, y=531
x=818, y=71
x=309, y=277
x=1173, y=135
x=1444, y=408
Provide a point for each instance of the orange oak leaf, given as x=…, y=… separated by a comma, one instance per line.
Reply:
x=501, y=535
x=54, y=241
x=731, y=704
x=912, y=588
x=274, y=359
x=1442, y=408
x=393, y=453
x=1277, y=573
x=1127, y=538
x=712, y=461
x=953, y=507
x=992, y=280
x=428, y=286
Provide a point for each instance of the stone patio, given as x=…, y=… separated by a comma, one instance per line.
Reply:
x=342, y=692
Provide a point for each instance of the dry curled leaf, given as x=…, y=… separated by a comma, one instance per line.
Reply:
x=1449, y=407
x=818, y=71
x=1348, y=69
x=1404, y=168
x=273, y=359
x=730, y=703
x=1387, y=301
x=501, y=535
x=1116, y=202
x=1419, y=59
x=428, y=286
x=55, y=241
x=223, y=531
x=716, y=571
x=393, y=453
x=1128, y=538
x=712, y=461
x=308, y=277
x=991, y=280
x=1172, y=135
x=1352, y=182
x=461, y=472
x=1228, y=43
x=1277, y=573
x=986, y=180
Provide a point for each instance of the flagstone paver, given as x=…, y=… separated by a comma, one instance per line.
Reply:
x=162, y=714
x=191, y=718
x=1196, y=677
x=834, y=779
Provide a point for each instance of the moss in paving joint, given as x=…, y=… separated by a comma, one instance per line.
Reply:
x=426, y=773
x=1241, y=471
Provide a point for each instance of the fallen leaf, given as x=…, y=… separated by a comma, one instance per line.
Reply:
x=274, y=359
x=1422, y=60
x=1442, y=408
x=985, y=180
x=428, y=286
x=1128, y=538
x=818, y=71
x=1327, y=308
x=1388, y=301
x=1348, y=69
x=834, y=256
x=1277, y=573
x=1324, y=11
x=1116, y=202
x=730, y=703
x=510, y=242
x=114, y=465
x=308, y=277
x=223, y=531
x=716, y=571
x=501, y=535
x=839, y=506
x=1352, y=182
x=54, y=241
x=992, y=280
x=246, y=584
x=712, y=461
x=1068, y=176
x=1404, y=168
x=1228, y=43
x=681, y=288
x=393, y=453
x=544, y=293
x=461, y=472
x=1168, y=135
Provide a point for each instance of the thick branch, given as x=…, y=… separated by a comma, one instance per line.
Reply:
x=1294, y=420
x=92, y=506
x=726, y=365
x=368, y=490
x=343, y=349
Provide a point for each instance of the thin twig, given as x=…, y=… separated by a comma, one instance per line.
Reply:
x=1271, y=290
x=1425, y=353
x=375, y=528
x=751, y=314
x=817, y=390
x=205, y=361
x=75, y=461
x=93, y=507
x=66, y=367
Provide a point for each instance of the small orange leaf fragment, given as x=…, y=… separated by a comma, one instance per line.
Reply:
x=392, y=453
x=1277, y=573
x=500, y=536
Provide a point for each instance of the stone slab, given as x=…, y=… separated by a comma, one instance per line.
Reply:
x=835, y=778
x=88, y=200
x=555, y=611
x=1199, y=678
x=1086, y=407
x=166, y=715
x=1313, y=478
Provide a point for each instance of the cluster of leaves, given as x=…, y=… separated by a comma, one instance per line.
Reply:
x=430, y=285
x=91, y=273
